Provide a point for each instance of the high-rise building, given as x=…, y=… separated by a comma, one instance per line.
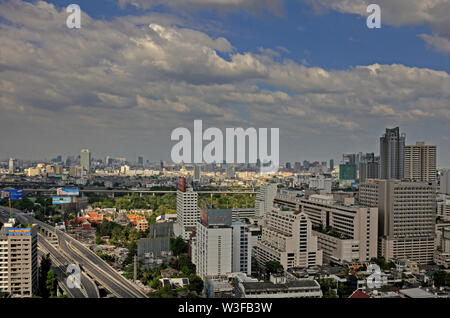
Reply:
x=445, y=182
x=85, y=160
x=212, y=247
x=346, y=232
x=407, y=217
x=368, y=167
x=241, y=249
x=12, y=165
x=141, y=161
x=264, y=199
x=197, y=172
x=288, y=165
x=420, y=162
x=188, y=212
x=347, y=173
x=287, y=238
x=298, y=166
x=392, y=154
x=18, y=260
x=331, y=164
x=349, y=158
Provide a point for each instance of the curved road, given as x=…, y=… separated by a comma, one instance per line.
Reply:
x=115, y=283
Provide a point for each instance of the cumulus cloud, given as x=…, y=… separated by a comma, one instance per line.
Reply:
x=130, y=81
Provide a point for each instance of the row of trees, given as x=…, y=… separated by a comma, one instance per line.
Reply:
x=166, y=203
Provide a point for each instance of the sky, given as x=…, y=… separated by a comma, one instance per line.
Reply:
x=138, y=69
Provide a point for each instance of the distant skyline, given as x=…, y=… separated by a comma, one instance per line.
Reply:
x=137, y=69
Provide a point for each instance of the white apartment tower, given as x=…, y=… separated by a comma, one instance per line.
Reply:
x=420, y=162
x=407, y=217
x=85, y=160
x=264, y=199
x=213, y=243
x=12, y=165
x=188, y=212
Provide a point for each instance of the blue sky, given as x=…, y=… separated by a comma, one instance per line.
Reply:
x=331, y=39
x=136, y=71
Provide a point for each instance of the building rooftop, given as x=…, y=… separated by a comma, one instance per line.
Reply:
x=416, y=293
x=296, y=284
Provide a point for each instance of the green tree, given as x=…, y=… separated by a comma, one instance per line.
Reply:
x=51, y=283
x=273, y=267
x=178, y=246
x=195, y=283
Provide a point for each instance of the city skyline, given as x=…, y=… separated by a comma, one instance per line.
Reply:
x=122, y=85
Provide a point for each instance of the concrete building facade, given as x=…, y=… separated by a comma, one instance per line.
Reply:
x=18, y=261
x=420, y=162
x=344, y=232
x=287, y=238
x=407, y=217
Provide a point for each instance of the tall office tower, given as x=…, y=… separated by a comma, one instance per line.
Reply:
x=347, y=173
x=445, y=182
x=197, y=172
x=85, y=160
x=331, y=164
x=287, y=238
x=162, y=164
x=230, y=171
x=140, y=161
x=420, y=162
x=349, y=158
x=392, y=154
x=345, y=232
x=288, y=165
x=12, y=165
x=264, y=199
x=306, y=164
x=298, y=166
x=241, y=249
x=212, y=253
x=18, y=261
x=188, y=212
x=368, y=167
x=407, y=217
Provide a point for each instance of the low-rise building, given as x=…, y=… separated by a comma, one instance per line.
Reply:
x=280, y=287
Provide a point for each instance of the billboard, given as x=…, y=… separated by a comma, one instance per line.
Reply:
x=19, y=232
x=12, y=194
x=182, y=184
x=61, y=200
x=67, y=192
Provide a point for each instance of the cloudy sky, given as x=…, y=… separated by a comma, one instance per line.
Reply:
x=137, y=69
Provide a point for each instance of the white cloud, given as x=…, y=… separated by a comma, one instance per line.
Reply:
x=113, y=82
x=437, y=42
